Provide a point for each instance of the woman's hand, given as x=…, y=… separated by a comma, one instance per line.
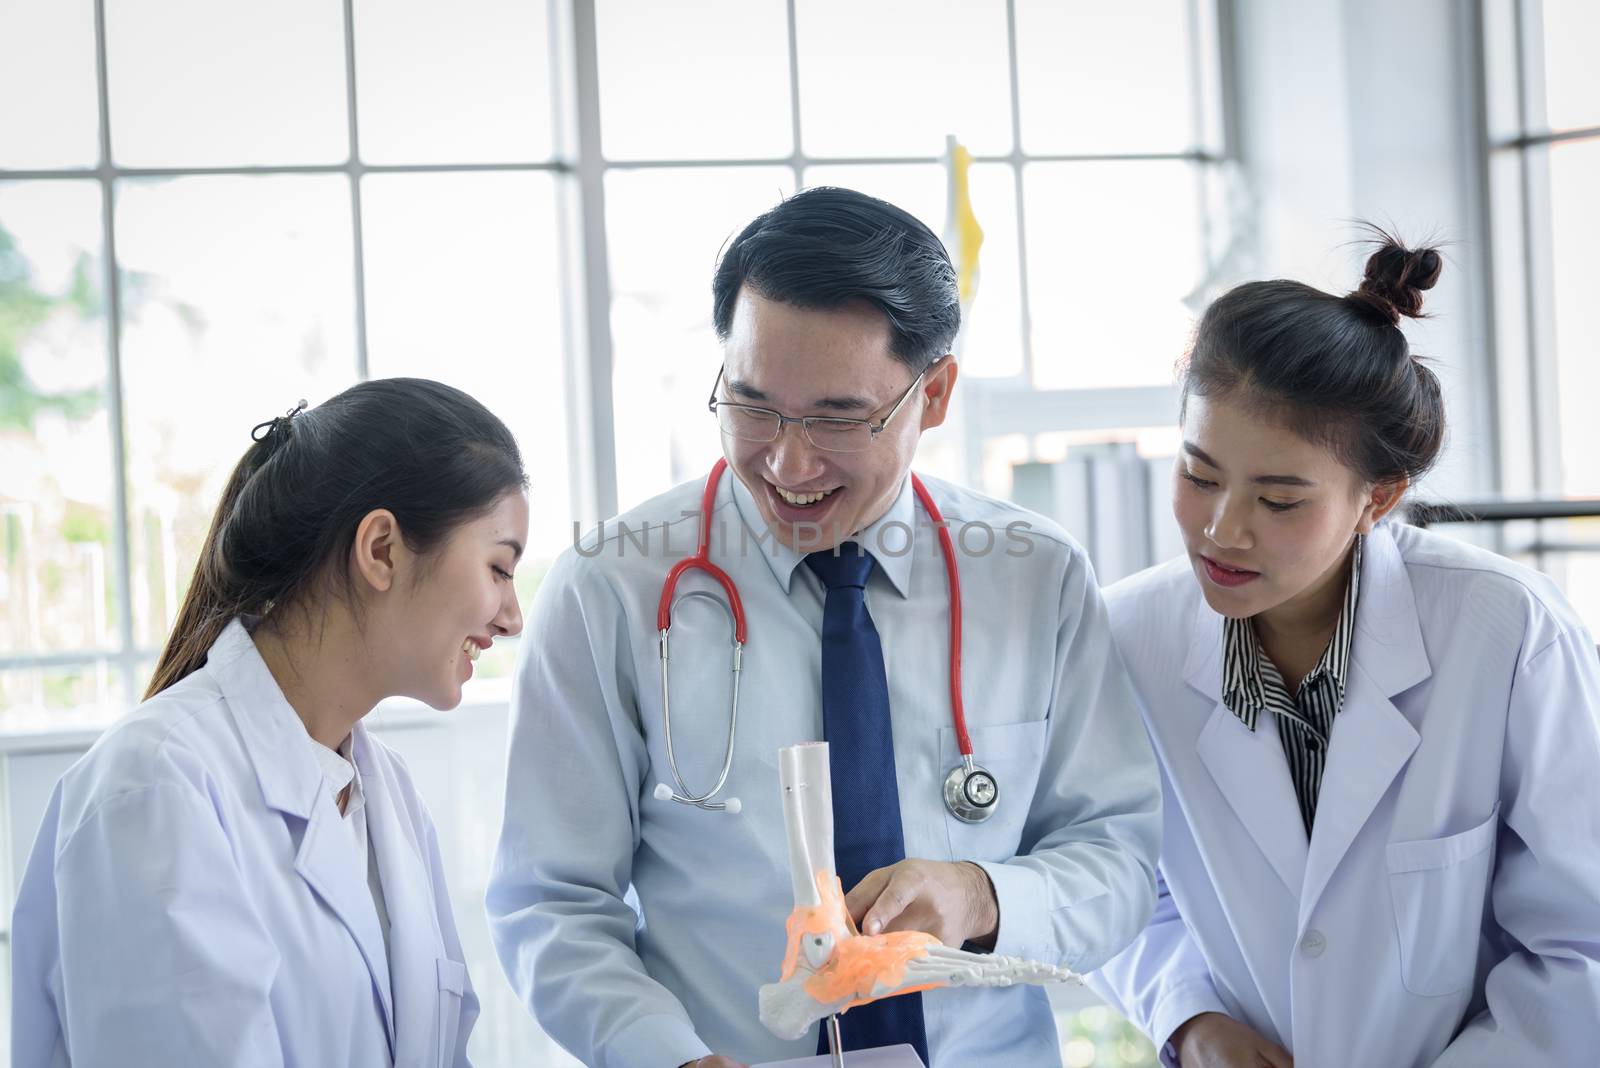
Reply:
x=1212, y=1040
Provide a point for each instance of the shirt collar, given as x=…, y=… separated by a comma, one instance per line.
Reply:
x=339, y=770
x=894, y=531
x=1244, y=675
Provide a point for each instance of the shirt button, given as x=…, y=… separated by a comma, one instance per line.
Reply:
x=1313, y=944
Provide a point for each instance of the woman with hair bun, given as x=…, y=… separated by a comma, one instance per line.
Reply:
x=238, y=873
x=1379, y=746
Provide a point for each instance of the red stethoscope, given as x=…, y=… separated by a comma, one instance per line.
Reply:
x=970, y=790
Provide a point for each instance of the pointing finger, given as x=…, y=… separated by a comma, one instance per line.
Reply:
x=897, y=895
x=861, y=897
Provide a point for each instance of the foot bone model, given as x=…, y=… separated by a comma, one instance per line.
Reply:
x=829, y=966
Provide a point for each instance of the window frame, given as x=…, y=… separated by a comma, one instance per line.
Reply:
x=1516, y=139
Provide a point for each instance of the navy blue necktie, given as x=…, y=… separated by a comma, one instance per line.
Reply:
x=866, y=798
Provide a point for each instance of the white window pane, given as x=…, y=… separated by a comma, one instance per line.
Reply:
x=61, y=698
x=1112, y=253
x=466, y=82
x=221, y=83
x=991, y=337
x=1572, y=78
x=708, y=80
x=1575, y=251
x=50, y=115
x=894, y=77
x=665, y=229
x=57, y=566
x=1099, y=78
x=237, y=300
x=464, y=286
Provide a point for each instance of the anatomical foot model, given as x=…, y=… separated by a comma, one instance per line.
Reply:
x=828, y=965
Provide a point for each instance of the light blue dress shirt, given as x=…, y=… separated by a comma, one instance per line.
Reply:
x=638, y=930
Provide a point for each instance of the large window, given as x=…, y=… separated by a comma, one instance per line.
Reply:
x=1543, y=131
x=211, y=210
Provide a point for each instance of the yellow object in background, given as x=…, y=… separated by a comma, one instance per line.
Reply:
x=963, y=235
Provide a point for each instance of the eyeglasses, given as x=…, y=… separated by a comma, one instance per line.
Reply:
x=749, y=423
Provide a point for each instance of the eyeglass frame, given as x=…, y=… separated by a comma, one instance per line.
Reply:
x=805, y=421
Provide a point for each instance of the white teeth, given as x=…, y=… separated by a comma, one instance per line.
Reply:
x=801, y=499
x=472, y=649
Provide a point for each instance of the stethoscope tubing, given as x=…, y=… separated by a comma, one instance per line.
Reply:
x=701, y=561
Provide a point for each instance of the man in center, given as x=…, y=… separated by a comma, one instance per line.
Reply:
x=637, y=928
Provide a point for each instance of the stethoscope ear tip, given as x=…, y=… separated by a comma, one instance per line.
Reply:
x=663, y=792
x=732, y=806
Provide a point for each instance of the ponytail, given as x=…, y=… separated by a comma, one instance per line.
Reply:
x=213, y=599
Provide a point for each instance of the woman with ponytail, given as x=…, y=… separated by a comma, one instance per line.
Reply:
x=238, y=873
x=1379, y=746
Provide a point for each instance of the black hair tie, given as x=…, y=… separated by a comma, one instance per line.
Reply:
x=278, y=426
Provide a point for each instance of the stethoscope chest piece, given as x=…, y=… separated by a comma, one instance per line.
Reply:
x=970, y=792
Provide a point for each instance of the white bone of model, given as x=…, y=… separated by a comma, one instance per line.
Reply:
x=828, y=965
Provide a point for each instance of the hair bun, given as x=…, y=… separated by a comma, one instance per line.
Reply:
x=1396, y=278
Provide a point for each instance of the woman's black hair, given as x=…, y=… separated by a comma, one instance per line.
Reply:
x=826, y=247
x=1336, y=370
x=425, y=451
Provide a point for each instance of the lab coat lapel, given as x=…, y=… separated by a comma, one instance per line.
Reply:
x=413, y=938
x=330, y=865
x=1249, y=769
x=280, y=751
x=1372, y=740
x=1247, y=766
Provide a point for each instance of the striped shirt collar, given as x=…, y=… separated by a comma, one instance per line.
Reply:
x=1246, y=671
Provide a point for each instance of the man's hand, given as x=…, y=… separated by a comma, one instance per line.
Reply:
x=713, y=1061
x=953, y=902
x=1212, y=1040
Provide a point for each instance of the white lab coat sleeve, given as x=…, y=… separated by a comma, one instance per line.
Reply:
x=561, y=926
x=1543, y=1000
x=450, y=937
x=164, y=960
x=1161, y=980
x=1084, y=884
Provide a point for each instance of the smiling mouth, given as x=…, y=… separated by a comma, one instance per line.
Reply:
x=472, y=649
x=801, y=500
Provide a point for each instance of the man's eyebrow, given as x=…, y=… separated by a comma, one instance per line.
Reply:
x=847, y=403
x=744, y=390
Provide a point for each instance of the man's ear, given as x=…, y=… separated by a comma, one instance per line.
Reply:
x=373, y=554
x=937, y=386
x=1380, y=501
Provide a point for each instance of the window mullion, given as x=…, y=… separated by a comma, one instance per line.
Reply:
x=363, y=369
x=115, y=414
x=593, y=386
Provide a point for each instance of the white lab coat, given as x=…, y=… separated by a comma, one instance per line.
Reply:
x=1447, y=908
x=193, y=898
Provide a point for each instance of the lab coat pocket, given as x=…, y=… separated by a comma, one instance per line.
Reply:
x=1013, y=753
x=452, y=986
x=1439, y=886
